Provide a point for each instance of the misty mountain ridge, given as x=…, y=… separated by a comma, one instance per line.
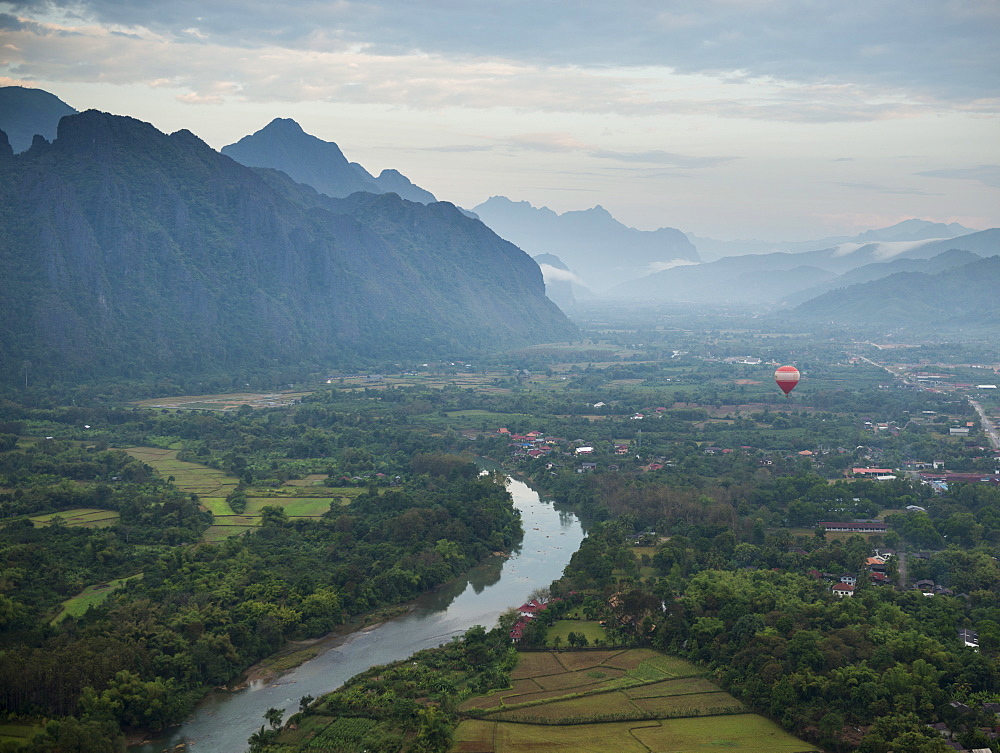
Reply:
x=592, y=243
x=26, y=112
x=766, y=279
x=871, y=272
x=907, y=230
x=283, y=145
x=960, y=297
x=129, y=252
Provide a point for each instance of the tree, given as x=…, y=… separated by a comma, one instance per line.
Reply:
x=273, y=515
x=274, y=717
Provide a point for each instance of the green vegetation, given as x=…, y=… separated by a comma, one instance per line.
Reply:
x=704, y=550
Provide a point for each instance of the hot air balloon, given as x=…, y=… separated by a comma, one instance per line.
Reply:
x=787, y=377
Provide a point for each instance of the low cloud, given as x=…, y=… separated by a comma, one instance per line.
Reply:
x=660, y=266
x=554, y=274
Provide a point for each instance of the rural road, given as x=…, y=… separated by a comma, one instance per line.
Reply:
x=988, y=427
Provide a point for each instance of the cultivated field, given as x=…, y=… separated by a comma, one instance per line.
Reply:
x=299, y=500
x=628, y=701
x=224, y=402
x=88, y=517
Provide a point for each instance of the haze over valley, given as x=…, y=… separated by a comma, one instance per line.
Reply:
x=420, y=377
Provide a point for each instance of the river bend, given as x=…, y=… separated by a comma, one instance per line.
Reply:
x=222, y=722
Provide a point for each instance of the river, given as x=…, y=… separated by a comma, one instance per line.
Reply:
x=222, y=722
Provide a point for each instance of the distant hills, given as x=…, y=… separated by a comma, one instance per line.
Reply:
x=128, y=252
x=25, y=112
x=870, y=272
x=907, y=230
x=768, y=279
x=594, y=245
x=958, y=297
x=283, y=145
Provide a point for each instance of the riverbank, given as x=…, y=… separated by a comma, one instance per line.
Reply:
x=297, y=653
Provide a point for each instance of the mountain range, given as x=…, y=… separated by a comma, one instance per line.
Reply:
x=599, y=249
x=769, y=279
x=907, y=230
x=962, y=297
x=100, y=219
x=127, y=251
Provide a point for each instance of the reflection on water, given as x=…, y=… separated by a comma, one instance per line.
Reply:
x=223, y=721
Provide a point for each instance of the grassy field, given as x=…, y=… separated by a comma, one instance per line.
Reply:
x=88, y=597
x=562, y=628
x=88, y=517
x=295, y=507
x=300, y=500
x=629, y=701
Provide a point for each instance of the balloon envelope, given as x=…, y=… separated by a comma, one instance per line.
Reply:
x=787, y=377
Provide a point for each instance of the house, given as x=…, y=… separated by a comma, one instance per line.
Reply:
x=871, y=471
x=584, y=450
x=532, y=608
x=850, y=580
x=842, y=590
x=856, y=526
x=970, y=638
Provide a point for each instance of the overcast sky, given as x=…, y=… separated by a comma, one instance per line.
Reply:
x=786, y=119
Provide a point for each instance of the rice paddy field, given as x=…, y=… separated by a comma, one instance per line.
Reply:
x=299, y=500
x=629, y=701
x=87, y=517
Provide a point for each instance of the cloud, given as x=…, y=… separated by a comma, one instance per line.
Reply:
x=456, y=148
x=658, y=157
x=888, y=189
x=988, y=175
x=557, y=142
x=920, y=52
x=554, y=274
x=660, y=266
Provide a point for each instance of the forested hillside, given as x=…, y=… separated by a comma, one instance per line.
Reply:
x=126, y=251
